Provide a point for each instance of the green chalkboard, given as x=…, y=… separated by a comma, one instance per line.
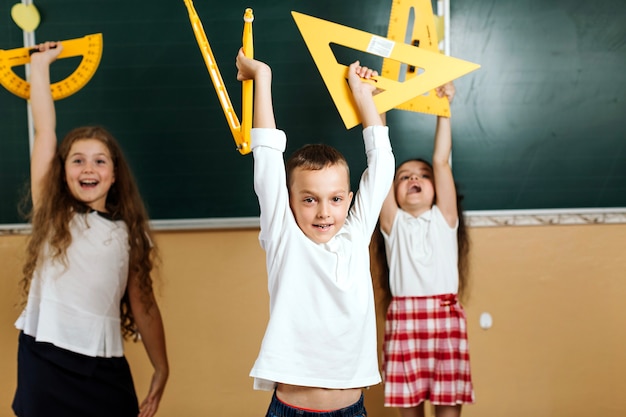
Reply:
x=539, y=126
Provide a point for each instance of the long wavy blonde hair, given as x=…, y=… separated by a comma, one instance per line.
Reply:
x=50, y=220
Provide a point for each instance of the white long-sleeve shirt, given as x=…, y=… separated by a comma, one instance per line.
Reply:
x=322, y=325
x=76, y=305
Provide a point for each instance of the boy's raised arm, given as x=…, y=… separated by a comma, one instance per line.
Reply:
x=390, y=206
x=261, y=73
x=363, y=93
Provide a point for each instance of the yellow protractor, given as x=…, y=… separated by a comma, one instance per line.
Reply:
x=89, y=47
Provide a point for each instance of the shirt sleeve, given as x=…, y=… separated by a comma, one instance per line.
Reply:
x=270, y=184
x=376, y=179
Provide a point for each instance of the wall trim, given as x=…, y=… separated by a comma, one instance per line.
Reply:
x=476, y=218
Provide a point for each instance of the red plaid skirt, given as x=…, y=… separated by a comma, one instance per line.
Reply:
x=426, y=352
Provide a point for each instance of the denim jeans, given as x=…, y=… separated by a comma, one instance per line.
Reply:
x=280, y=409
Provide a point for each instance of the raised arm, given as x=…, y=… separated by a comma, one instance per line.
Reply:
x=363, y=93
x=390, y=205
x=261, y=73
x=444, y=181
x=150, y=326
x=44, y=116
x=388, y=211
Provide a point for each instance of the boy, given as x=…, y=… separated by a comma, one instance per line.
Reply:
x=319, y=348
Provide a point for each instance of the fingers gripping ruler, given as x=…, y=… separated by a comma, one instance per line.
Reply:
x=437, y=69
x=240, y=132
x=89, y=47
x=413, y=22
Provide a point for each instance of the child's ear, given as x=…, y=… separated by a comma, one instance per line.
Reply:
x=350, y=198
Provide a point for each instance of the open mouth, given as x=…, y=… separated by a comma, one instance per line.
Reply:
x=322, y=226
x=88, y=183
x=415, y=189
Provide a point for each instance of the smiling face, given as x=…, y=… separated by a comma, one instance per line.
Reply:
x=89, y=172
x=414, y=187
x=319, y=200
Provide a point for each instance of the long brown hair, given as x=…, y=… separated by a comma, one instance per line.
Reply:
x=50, y=219
x=380, y=269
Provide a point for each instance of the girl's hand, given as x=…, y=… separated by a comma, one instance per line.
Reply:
x=46, y=53
x=357, y=76
x=446, y=90
x=150, y=405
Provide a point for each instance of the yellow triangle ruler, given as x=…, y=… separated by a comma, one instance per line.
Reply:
x=89, y=47
x=240, y=131
x=413, y=22
x=437, y=69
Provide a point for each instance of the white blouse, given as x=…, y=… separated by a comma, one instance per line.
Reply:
x=422, y=254
x=75, y=304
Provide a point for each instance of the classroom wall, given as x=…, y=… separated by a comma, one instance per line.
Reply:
x=556, y=347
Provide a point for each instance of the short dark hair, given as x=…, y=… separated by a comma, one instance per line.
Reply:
x=315, y=157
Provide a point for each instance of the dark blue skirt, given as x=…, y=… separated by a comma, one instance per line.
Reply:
x=57, y=382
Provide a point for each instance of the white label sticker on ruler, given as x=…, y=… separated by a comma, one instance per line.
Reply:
x=380, y=46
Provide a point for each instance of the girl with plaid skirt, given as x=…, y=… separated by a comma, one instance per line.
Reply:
x=425, y=345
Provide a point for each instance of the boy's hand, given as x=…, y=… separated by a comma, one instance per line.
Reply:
x=46, y=53
x=446, y=90
x=250, y=69
x=356, y=76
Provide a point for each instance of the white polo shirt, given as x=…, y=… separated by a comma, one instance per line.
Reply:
x=422, y=253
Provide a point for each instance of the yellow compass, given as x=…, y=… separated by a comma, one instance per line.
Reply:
x=89, y=47
x=240, y=131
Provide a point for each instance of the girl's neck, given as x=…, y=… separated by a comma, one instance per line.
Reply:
x=416, y=211
x=84, y=208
